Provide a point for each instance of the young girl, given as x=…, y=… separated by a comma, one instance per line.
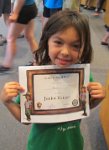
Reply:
x=65, y=41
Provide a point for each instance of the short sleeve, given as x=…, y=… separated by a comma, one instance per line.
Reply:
x=91, y=78
x=17, y=100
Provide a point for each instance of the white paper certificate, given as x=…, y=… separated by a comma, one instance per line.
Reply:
x=53, y=94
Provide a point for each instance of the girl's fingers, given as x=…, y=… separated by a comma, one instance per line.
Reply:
x=10, y=90
x=97, y=93
x=94, y=86
x=96, y=90
x=97, y=96
x=11, y=95
x=14, y=86
x=93, y=91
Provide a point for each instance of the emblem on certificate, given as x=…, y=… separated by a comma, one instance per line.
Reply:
x=54, y=94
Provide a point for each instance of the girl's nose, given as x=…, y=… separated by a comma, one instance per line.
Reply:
x=65, y=50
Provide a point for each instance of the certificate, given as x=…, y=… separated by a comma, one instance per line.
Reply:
x=54, y=94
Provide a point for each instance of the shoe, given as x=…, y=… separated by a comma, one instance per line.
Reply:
x=85, y=6
x=4, y=69
x=90, y=8
x=21, y=36
x=106, y=26
x=96, y=9
x=2, y=40
x=104, y=43
x=96, y=14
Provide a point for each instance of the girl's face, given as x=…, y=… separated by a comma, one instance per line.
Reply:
x=64, y=48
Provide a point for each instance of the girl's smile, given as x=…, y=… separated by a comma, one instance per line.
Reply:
x=64, y=47
x=63, y=61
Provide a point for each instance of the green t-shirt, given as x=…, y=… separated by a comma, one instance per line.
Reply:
x=59, y=136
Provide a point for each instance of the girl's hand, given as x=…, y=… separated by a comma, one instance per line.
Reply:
x=96, y=90
x=10, y=90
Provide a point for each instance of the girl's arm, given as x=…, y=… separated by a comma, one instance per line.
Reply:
x=9, y=91
x=14, y=109
x=97, y=93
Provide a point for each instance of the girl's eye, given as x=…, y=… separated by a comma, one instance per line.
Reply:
x=76, y=47
x=58, y=42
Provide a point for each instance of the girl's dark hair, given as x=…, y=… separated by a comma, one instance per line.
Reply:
x=59, y=22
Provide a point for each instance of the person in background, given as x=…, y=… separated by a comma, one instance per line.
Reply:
x=99, y=7
x=75, y=5
x=21, y=19
x=65, y=41
x=50, y=7
x=12, y=4
x=105, y=40
x=87, y=4
x=5, y=10
x=21, y=35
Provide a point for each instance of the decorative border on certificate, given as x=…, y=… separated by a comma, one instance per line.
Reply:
x=54, y=94
x=51, y=74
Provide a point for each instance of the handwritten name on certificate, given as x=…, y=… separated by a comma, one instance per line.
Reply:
x=54, y=94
